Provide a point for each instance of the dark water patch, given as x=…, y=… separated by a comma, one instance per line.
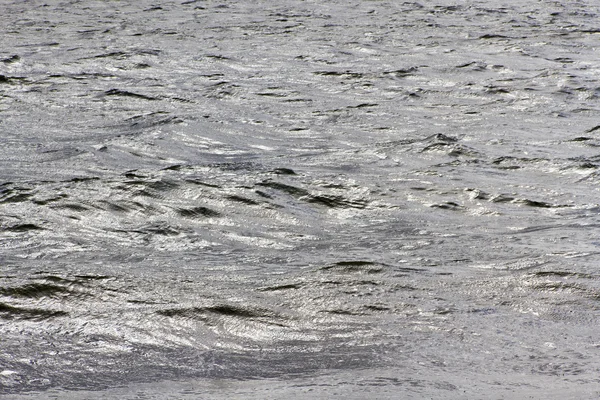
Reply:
x=223, y=310
x=518, y=160
x=125, y=93
x=193, y=312
x=364, y=282
x=113, y=54
x=153, y=119
x=509, y=167
x=72, y=207
x=244, y=200
x=493, y=36
x=12, y=59
x=336, y=201
x=334, y=113
x=197, y=212
x=133, y=184
x=368, y=267
x=364, y=105
x=14, y=196
x=35, y=291
x=452, y=149
x=341, y=74
x=162, y=185
x=78, y=179
x=12, y=79
x=331, y=201
x=197, y=181
x=263, y=194
x=449, y=205
x=587, y=165
x=564, y=60
x=284, y=171
x=595, y=128
x=534, y=203
x=287, y=286
x=23, y=228
x=474, y=66
x=134, y=174
x=376, y=308
x=339, y=311
x=176, y=167
x=298, y=100
x=60, y=286
x=289, y=189
x=588, y=141
x=218, y=57
x=483, y=311
x=238, y=166
x=146, y=302
x=271, y=94
x=236, y=311
x=401, y=73
x=447, y=9
x=493, y=89
x=9, y=312
x=158, y=229
x=444, y=310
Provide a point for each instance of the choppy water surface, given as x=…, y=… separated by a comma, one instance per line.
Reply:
x=299, y=199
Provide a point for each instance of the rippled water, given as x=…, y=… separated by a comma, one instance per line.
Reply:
x=299, y=199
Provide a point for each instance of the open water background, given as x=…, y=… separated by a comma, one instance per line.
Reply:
x=299, y=199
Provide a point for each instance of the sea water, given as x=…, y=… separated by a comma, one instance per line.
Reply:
x=299, y=199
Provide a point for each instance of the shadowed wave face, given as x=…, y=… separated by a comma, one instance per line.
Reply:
x=315, y=199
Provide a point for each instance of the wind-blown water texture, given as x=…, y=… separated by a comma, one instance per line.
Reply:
x=313, y=199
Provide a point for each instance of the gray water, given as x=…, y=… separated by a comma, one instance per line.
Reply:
x=299, y=199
